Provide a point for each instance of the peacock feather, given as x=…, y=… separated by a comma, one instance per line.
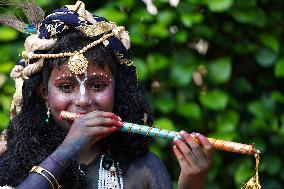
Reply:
x=32, y=13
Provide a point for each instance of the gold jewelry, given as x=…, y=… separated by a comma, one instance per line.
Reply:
x=139, y=129
x=130, y=127
x=42, y=171
x=166, y=134
x=147, y=133
x=157, y=133
x=77, y=63
x=97, y=28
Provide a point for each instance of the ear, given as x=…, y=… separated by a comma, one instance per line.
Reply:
x=42, y=92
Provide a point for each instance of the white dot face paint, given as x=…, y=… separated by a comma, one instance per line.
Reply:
x=95, y=82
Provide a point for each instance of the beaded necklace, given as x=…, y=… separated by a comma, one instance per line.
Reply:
x=112, y=178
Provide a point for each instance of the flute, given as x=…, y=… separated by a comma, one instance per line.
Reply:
x=170, y=135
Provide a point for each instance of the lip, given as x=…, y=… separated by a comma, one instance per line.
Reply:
x=81, y=113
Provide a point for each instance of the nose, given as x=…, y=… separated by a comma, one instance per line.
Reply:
x=83, y=100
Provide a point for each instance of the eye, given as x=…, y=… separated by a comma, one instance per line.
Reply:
x=66, y=87
x=98, y=86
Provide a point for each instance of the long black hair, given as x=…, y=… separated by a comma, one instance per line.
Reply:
x=30, y=139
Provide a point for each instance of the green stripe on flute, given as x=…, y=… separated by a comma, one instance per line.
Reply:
x=149, y=131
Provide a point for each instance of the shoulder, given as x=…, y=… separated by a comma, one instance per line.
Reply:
x=147, y=162
x=151, y=171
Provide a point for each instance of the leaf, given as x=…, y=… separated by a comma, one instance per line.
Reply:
x=227, y=124
x=165, y=123
x=279, y=68
x=165, y=17
x=112, y=14
x=219, y=5
x=127, y=3
x=156, y=62
x=158, y=30
x=252, y=16
x=137, y=33
x=181, y=74
x=266, y=57
x=6, y=67
x=261, y=108
x=43, y=3
x=228, y=121
x=3, y=79
x=269, y=41
x=215, y=100
x=219, y=70
x=5, y=102
x=189, y=110
x=4, y=120
x=242, y=85
x=141, y=15
x=164, y=104
x=277, y=96
x=8, y=34
x=244, y=172
x=189, y=19
x=273, y=164
x=181, y=36
x=141, y=68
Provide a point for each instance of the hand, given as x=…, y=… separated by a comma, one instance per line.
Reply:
x=194, y=155
x=90, y=128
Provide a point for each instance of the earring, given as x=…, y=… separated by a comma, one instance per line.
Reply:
x=47, y=115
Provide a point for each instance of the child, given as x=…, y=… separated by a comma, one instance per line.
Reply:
x=80, y=63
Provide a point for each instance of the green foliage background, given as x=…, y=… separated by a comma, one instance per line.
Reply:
x=240, y=97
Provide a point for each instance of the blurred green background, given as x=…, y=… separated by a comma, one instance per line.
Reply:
x=209, y=66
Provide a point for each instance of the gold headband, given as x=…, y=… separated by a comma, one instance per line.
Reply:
x=77, y=63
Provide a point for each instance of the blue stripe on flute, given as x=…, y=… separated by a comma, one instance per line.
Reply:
x=149, y=131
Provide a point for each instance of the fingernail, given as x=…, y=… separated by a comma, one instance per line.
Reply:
x=183, y=133
x=199, y=135
x=176, y=140
x=119, y=118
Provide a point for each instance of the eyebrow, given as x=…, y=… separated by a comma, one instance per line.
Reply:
x=65, y=77
x=93, y=76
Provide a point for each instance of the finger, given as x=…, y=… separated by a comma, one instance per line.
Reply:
x=93, y=114
x=207, y=146
x=96, y=131
x=186, y=151
x=107, y=122
x=181, y=159
x=193, y=145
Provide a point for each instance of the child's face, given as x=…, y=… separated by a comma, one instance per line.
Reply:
x=79, y=93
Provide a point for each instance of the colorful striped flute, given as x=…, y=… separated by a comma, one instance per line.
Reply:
x=170, y=135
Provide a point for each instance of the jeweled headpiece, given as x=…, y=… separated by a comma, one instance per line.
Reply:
x=44, y=35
